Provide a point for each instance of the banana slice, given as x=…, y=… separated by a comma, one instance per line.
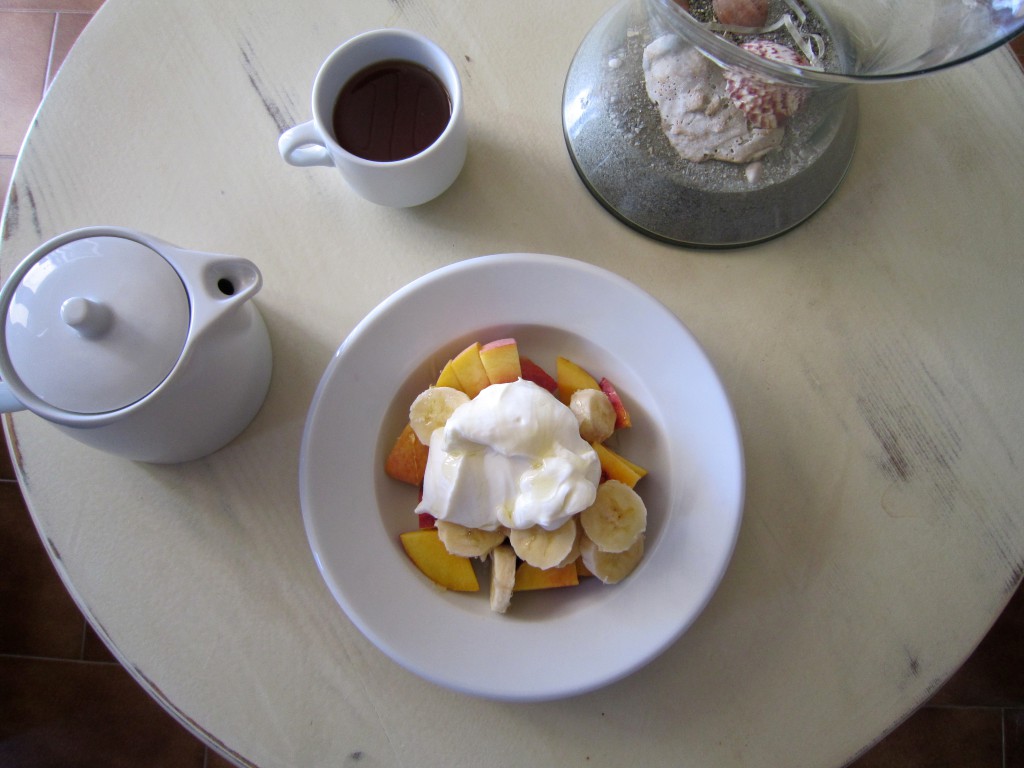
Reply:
x=611, y=567
x=503, y=577
x=468, y=542
x=542, y=548
x=595, y=413
x=616, y=518
x=431, y=410
x=574, y=551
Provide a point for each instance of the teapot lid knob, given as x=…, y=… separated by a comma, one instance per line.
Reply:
x=90, y=318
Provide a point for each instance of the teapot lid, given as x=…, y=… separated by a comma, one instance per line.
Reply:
x=95, y=324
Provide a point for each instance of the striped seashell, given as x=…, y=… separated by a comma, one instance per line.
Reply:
x=766, y=105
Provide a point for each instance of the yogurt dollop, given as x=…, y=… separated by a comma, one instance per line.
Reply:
x=512, y=457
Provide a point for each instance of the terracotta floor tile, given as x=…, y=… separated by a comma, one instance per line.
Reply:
x=25, y=43
x=86, y=6
x=1013, y=735
x=57, y=713
x=939, y=737
x=994, y=674
x=39, y=618
x=69, y=27
x=213, y=760
x=6, y=467
x=94, y=649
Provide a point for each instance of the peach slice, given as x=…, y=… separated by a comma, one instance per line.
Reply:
x=618, y=467
x=622, y=420
x=425, y=549
x=501, y=361
x=447, y=377
x=572, y=377
x=536, y=374
x=407, y=460
x=470, y=370
x=529, y=578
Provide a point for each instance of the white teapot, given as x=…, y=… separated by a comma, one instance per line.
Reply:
x=134, y=346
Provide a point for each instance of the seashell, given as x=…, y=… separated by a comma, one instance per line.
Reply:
x=741, y=13
x=766, y=105
x=698, y=118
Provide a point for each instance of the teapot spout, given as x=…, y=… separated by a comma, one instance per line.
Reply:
x=217, y=285
x=233, y=278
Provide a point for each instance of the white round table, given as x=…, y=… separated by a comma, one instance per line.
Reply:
x=873, y=357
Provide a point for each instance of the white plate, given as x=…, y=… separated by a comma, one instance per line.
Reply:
x=552, y=643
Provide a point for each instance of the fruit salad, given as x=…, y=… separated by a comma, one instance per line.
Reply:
x=514, y=468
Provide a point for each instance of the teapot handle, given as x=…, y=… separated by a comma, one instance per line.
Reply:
x=8, y=402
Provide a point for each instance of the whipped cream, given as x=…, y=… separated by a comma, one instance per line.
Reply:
x=512, y=457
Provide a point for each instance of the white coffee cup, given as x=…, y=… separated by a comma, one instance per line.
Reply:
x=399, y=183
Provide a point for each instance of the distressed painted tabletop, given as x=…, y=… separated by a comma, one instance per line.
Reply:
x=873, y=357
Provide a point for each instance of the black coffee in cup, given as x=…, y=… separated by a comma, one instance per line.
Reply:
x=391, y=110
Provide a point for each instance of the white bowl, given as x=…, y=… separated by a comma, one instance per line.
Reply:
x=551, y=643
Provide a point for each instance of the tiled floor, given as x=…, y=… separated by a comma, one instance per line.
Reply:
x=64, y=700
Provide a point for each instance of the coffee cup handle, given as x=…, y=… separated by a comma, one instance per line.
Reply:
x=302, y=145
